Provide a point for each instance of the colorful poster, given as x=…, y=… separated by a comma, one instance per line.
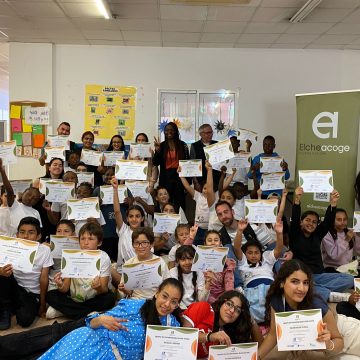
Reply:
x=326, y=128
x=110, y=110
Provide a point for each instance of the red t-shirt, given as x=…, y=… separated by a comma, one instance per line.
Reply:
x=201, y=315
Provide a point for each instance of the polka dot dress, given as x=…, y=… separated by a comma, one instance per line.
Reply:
x=94, y=344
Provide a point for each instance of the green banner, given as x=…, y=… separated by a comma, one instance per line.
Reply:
x=327, y=139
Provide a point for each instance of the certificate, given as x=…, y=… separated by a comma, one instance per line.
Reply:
x=261, y=211
x=59, y=140
x=110, y=157
x=165, y=222
x=137, y=188
x=80, y=263
x=19, y=186
x=20, y=253
x=58, y=191
x=271, y=164
x=166, y=342
x=42, y=185
x=357, y=285
x=298, y=330
x=54, y=152
x=272, y=181
x=131, y=169
x=8, y=152
x=60, y=243
x=141, y=150
x=209, y=258
x=190, y=168
x=82, y=209
x=246, y=351
x=218, y=152
x=244, y=134
x=239, y=161
x=85, y=177
x=316, y=181
x=107, y=194
x=142, y=275
x=91, y=157
x=356, y=223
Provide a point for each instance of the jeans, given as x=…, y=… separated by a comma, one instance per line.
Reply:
x=328, y=282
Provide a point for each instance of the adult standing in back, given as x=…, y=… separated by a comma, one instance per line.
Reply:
x=167, y=155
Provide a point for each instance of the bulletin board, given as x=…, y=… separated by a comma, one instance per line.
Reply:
x=30, y=139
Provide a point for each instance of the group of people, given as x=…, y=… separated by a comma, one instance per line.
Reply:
x=269, y=268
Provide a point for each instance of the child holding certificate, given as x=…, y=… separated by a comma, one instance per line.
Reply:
x=306, y=234
x=256, y=266
x=196, y=285
x=23, y=293
x=222, y=281
x=77, y=297
x=142, y=241
x=293, y=290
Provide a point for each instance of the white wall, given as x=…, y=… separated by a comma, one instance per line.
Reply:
x=267, y=80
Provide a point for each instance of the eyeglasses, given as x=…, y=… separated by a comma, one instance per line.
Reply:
x=173, y=303
x=142, y=244
x=230, y=305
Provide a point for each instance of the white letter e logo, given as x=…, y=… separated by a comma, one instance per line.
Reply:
x=332, y=124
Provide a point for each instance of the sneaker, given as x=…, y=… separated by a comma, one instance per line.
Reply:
x=5, y=319
x=52, y=313
x=337, y=297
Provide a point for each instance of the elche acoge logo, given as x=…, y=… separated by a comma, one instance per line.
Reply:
x=325, y=130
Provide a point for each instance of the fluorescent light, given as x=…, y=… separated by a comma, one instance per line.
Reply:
x=305, y=11
x=103, y=8
x=2, y=33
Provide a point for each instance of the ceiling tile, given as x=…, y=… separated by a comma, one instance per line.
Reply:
x=36, y=9
x=230, y=13
x=218, y=37
x=30, y=33
x=95, y=23
x=71, y=41
x=135, y=11
x=133, y=1
x=176, y=44
x=7, y=10
x=139, y=24
x=266, y=28
x=343, y=4
x=182, y=25
x=54, y=24
x=261, y=46
x=63, y=34
x=353, y=17
x=142, y=36
x=327, y=15
x=235, y=27
x=319, y=46
x=19, y=23
x=343, y=29
x=102, y=34
x=288, y=46
x=296, y=38
x=75, y=10
x=215, y=45
x=308, y=28
x=185, y=12
x=336, y=39
x=283, y=3
x=181, y=37
x=273, y=14
x=257, y=38
x=143, y=43
x=107, y=42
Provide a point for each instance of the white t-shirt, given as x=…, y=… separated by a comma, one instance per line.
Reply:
x=18, y=211
x=201, y=210
x=214, y=222
x=264, y=271
x=31, y=281
x=147, y=293
x=80, y=289
x=6, y=228
x=188, y=297
x=171, y=255
x=79, y=223
x=125, y=248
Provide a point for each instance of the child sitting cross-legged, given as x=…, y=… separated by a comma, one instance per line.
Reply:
x=22, y=292
x=76, y=298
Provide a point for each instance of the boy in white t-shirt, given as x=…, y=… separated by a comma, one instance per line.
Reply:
x=24, y=292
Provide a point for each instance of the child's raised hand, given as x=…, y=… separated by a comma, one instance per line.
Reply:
x=285, y=192
x=349, y=235
x=284, y=165
x=233, y=171
x=354, y=298
x=223, y=169
x=111, y=323
x=114, y=182
x=324, y=334
x=278, y=227
x=242, y=224
x=96, y=283
x=299, y=191
x=157, y=143
x=208, y=165
x=46, y=205
x=193, y=231
x=334, y=197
